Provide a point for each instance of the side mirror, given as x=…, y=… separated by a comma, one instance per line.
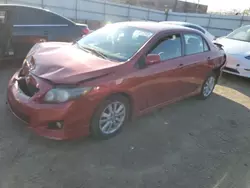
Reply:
x=153, y=59
x=220, y=46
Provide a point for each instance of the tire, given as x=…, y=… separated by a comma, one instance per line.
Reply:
x=206, y=90
x=101, y=127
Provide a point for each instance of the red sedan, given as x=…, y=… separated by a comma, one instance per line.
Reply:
x=118, y=72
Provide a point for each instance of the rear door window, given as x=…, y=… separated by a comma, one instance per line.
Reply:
x=194, y=44
x=32, y=16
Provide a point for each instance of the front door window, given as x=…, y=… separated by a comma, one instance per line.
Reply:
x=169, y=48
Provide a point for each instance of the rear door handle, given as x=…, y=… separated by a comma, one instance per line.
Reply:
x=180, y=65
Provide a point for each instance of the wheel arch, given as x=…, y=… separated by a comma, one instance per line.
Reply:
x=128, y=97
x=123, y=94
x=217, y=70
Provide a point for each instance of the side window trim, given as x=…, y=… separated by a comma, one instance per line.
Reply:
x=201, y=30
x=197, y=28
x=205, y=43
x=161, y=39
x=184, y=43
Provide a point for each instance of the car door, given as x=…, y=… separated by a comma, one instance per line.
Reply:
x=162, y=82
x=197, y=57
x=61, y=29
x=27, y=29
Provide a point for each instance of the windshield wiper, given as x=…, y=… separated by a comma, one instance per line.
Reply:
x=98, y=53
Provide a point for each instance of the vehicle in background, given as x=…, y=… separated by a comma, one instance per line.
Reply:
x=237, y=47
x=31, y=25
x=84, y=28
x=193, y=26
x=123, y=70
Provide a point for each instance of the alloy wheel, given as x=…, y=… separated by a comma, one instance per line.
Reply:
x=112, y=117
x=209, y=86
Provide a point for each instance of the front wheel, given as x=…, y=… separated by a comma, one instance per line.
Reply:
x=110, y=117
x=208, y=86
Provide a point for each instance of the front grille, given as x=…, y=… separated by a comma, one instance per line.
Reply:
x=27, y=88
x=19, y=114
x=231, y=70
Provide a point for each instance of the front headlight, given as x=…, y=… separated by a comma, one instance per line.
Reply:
x=59, y=95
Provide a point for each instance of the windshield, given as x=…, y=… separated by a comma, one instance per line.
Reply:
x=242, y=34
x=117, y=43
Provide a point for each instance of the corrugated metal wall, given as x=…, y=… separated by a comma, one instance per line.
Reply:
x=94, y=10
x=106, y=11
x=219, y=25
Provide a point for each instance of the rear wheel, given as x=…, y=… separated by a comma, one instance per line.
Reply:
x=110, y=117
x=208, y=86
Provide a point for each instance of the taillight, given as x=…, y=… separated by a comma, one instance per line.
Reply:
x=85, y=31
x=248, y=57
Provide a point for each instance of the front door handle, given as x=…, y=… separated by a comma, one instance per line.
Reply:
x=180, y=65
x=208, y=58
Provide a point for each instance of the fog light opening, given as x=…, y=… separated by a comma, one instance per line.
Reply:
x=55, y=125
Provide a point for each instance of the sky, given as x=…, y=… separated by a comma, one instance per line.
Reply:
x=217, y=5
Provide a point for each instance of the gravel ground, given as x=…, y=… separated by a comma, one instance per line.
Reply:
x=190, y=144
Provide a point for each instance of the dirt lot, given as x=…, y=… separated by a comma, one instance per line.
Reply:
x=190, y=144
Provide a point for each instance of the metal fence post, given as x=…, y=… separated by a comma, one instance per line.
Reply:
x=129, y=12
x=209, y=20
x=42, y=4
x=76, y=15
x=105, y=17
x=166, y=14
x=148, y=14
x=242, y=19
x=175, y=5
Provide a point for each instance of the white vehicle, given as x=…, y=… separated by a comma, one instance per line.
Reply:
x=193, y=26
x=237, y=47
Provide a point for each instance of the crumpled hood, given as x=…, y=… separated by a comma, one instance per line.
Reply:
x=66, y=63
x=234, y=47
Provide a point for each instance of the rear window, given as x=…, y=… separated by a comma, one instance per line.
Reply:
x=242, y=34
x=30, y=16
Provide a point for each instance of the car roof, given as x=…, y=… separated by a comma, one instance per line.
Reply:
x=33, y=7
x=24, y=6
x=180, y=23
x=154, y=26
